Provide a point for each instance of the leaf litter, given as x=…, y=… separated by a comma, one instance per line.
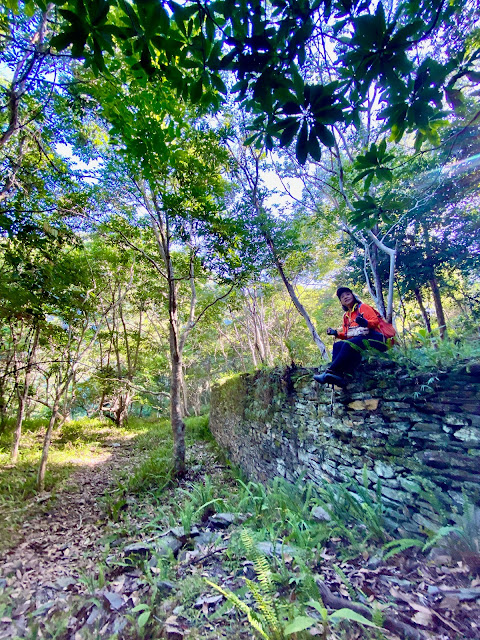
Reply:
x=52, y=576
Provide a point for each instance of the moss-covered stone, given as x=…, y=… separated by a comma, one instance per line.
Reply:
x=278, y=422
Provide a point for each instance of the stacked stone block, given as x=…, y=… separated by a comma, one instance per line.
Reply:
x=419, y=436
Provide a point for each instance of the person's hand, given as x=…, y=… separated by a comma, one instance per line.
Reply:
x=360, y=320
x=331, y=332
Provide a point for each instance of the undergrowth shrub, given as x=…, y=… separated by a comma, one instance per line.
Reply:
x=196, y=428
x=428, y=353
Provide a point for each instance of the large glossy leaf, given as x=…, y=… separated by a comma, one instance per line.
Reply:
x=313, y=146
x=325, y=136
x=301, y=149
x=300, y=623
x=348, y=614
x=196, y=91
x=291, y=127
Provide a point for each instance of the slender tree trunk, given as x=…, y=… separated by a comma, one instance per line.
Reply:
x=100, y=405
x=121, y=413
x=184, y=395
x=392, y=255
x=377, y=280
x=442, y=325
x=24, y=68
x=291, y=292
x=257, y=317
x=178, y=426
x=298, y=305
x=259, y=346
x=22, y=401
x=265, y=336
x=252, y=348
x=433, y=283
x=46, y=445
x=4, y=402
x=253, y=180
x=23, y=396
x=425, y=316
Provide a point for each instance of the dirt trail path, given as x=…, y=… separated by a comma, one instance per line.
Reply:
x=56, y=546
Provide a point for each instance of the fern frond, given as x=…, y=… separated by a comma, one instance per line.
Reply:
x=397, y=546
x=242, y=606
x=266, y=606
x=441, y=533
x=264, y=574
x=260, y=562
x=247, y=541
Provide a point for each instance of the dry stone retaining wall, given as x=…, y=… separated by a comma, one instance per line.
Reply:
x=419, y=436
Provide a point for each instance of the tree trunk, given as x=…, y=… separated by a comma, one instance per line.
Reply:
x=23, y=396
x=22, y=401
x=178, y=426
x=264, y=334
x=377, y=280
x=46, y=446
x=123, y=408
x=392, y=254
x=252, y=348
x=432, y=281
x=425, y=316
x=253, y=180
x=100, y=404
x=298, y=305
x=3, y=411
x=442, y=325
x=184, y=394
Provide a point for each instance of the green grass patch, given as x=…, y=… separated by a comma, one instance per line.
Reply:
x=74, y=445
x=155, y=471
x=196, y=428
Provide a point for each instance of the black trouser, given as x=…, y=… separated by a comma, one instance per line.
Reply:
x=346, y=357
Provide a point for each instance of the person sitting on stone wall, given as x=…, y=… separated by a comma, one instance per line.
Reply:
x=361, y=329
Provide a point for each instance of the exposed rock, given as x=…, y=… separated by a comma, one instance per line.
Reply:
x=278, y=549
x=65, y=582
x=137, y=549
x=320, y=514
x=222, y=520
x=114, y=600
x=369, y=404
x=469, y=435
x=375, y=561
x=207, y=537
x=167, y=544
x=464, y=595
x=425, y=523
x=165, y=586
x=207, y=600
x=179, y=532
x=384, y=470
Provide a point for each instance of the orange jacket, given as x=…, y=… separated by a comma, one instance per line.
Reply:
x=349, y=317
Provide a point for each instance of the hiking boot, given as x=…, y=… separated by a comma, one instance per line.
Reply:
x=328, y=377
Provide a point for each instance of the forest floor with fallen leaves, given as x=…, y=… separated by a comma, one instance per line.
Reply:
x=114, y=549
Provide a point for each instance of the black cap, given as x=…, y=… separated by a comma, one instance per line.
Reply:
x=341, y=290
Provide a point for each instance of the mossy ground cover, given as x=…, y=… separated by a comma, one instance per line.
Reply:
x=276, y=549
